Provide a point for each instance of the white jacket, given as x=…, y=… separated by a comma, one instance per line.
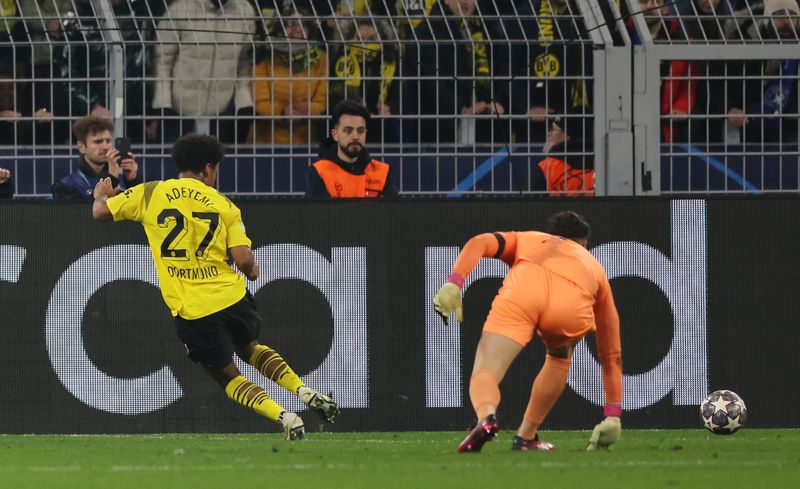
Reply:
x=201, y=61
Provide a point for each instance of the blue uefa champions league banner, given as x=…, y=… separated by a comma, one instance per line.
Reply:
x=706, y=292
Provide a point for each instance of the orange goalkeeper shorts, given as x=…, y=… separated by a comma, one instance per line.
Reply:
x=534, y=299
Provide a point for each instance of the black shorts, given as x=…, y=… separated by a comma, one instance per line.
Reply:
x=211, y=340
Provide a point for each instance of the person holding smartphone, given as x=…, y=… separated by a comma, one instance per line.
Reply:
x=98, y=159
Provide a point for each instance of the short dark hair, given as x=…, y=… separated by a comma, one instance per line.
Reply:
x=570, y=225
x=192, y=152
x=577, y=123
x=91, y=124
x=348, y=107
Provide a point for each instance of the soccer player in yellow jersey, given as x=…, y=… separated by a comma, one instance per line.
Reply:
x=191, y=229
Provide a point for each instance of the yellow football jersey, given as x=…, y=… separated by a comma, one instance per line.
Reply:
x=189, y=227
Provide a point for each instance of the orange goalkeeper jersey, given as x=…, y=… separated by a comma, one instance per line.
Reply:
x=567, y=259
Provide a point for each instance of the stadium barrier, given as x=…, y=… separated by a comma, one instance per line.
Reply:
x=626, y=75
x=706, y=291
x=282, y=171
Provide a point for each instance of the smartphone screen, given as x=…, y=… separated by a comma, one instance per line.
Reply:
x=124, y=147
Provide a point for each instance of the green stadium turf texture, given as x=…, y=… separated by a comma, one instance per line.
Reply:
x=750, y=458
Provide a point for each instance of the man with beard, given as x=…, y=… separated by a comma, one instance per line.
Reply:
x=345, y=169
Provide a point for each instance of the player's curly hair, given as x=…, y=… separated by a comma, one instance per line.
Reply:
x=570, y=225
x=191, y=152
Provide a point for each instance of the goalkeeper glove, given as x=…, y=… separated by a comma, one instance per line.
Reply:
x=606, y=433
x=447, y=300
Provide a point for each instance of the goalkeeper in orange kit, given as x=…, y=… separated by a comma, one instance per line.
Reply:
x=556, y=289
x=191, y=229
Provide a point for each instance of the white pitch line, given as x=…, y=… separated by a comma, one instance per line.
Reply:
x=54, y=468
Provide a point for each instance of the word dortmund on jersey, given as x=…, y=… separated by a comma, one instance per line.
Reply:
x=190, y=227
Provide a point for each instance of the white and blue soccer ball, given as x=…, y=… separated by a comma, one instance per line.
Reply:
x=723, y=412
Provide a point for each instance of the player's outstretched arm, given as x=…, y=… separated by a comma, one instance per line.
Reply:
x=487, y=245
x=245, y=261
x=606, y=433
x=102, y=191
x=609, y=349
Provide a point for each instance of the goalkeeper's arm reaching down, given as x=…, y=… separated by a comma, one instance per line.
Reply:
x=609, y=350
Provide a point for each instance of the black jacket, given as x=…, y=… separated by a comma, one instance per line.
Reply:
x=7, y=189
x=444, y=60
x=552, y=69
x=79, y=184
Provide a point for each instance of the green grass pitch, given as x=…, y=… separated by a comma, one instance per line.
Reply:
x=642, y=459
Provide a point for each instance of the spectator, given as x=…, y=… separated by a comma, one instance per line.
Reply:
x=764, y=95
x=42, y=19
x=202, y=67
x=366, y=8
x=703, y=21
x=70, y=60
x=365, y=72
x=6, y=184
x=17, y=124
x=678, y=98
x=679, y=77
x=14, y=42
x=568, y=169
x=82, y=64
x=290, y=83
x=9, y=113
x=345, y=168
x=661, y=24
x=455, y=63
x=136, y=20
x=98, y=160
x=413, y=13
x=551, y=75
x=345, y=11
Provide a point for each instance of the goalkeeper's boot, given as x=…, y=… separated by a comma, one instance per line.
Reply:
x=484, y=431
x=324, y=406
x=534, y=445
x=293, y=428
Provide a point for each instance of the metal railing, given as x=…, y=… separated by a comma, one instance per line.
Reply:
x=463, y=102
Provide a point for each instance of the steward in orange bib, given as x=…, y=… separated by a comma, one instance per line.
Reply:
x=345, y=169
x=568, y=169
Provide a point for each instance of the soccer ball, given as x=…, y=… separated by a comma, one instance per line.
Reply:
x=723, y=412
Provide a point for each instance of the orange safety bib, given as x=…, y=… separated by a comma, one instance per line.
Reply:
x=341, y=184
x=566, y=181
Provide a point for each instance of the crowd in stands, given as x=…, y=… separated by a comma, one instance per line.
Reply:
x=267, y=71
x=754, y=101
x=428, y=71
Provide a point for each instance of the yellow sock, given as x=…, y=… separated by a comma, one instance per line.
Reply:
x=253, y=396
x=269, y=362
